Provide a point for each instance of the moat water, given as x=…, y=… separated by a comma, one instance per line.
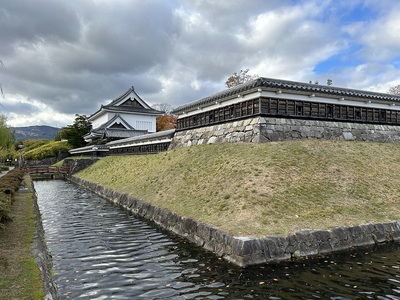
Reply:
x=101, y=251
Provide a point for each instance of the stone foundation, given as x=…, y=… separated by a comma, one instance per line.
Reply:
x=260, y=129
x=245, y=251
x=280, y=129
x=78, y=164
x=231, y=132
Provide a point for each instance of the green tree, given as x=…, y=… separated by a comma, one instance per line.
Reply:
x=238, y=78
x=74, y=133
x=6, y=137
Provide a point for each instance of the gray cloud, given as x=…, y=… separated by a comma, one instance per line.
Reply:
x=73, y=56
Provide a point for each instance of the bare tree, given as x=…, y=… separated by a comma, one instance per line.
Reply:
x=164, y=107
x=395, y=90
x=238, y=78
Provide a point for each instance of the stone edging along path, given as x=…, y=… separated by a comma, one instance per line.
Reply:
x=246, y=251
x=42, y=255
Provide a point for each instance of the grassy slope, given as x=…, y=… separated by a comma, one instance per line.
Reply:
x=19, y=274
x=262, y=189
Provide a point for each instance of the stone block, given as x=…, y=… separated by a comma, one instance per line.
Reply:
x=360, y=236
x=270, y=127
x=248, y=128
x=262, y=120
x=248, y=136
x=340, y=239
x=255, y=121
x=348, y=136
x=189, y=226
x=245, y=246
x=203, y=231
x=305, y=242
x=212, y=140
x=246, y=122
x=323, y=238
x=379, y=233
x=240, y=136
x=274, y=248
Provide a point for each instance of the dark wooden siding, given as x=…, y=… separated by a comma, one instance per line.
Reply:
x=292, y=109
x=140, y=149
x=220, y=115
x=325, y=111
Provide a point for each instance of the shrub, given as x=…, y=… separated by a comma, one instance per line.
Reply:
x=10, y=182
x=50, y=149
x=32, y=144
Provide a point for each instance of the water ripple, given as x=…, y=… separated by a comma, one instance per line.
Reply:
x=102, y=252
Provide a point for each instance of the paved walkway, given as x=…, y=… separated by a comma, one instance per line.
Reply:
x=5, y=172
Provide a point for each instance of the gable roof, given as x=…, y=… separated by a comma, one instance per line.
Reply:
x=128, y=102
x=112, y=121
x=130, y=93
x=269, y=84
x=100, y=130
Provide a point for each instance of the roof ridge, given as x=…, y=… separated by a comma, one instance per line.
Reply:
x=291, y=85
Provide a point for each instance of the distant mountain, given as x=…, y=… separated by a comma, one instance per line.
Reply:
x=37, y=132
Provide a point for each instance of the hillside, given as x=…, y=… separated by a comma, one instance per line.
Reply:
x=37, y=132
x=263, y=189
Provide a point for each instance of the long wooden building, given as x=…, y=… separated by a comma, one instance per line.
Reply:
x=270, y=109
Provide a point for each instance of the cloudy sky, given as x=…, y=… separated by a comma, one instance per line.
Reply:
x=66, y=57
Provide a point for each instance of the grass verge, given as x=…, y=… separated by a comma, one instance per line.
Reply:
x=263, y=189
x=20, y=276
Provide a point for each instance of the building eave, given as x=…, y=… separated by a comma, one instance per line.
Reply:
x=289, y=87
x=89, y=149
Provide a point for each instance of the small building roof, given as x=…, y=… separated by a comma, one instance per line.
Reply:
x=156, y=136
x=123, y=133
x=99, y=131
x=275, y=85
x=113, y=120
x=119, y=105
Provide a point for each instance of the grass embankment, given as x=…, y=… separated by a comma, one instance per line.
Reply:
x=19, y=275
x=263, y=189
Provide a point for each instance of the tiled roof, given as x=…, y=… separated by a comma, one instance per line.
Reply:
x=146, y=137
x=130, y=90
x=123, y=133
x=284, y=85
x=131, y=109
x=112, y=106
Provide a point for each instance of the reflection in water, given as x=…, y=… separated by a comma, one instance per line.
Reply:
x=102, y=252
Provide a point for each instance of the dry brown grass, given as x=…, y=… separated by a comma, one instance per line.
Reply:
x=262, y=189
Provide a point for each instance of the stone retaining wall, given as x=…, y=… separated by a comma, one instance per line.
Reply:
x=245, y=251
x=78, y=164
x=260, y=129
x=232, y=132
x=280, y=129
x=42, y=256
